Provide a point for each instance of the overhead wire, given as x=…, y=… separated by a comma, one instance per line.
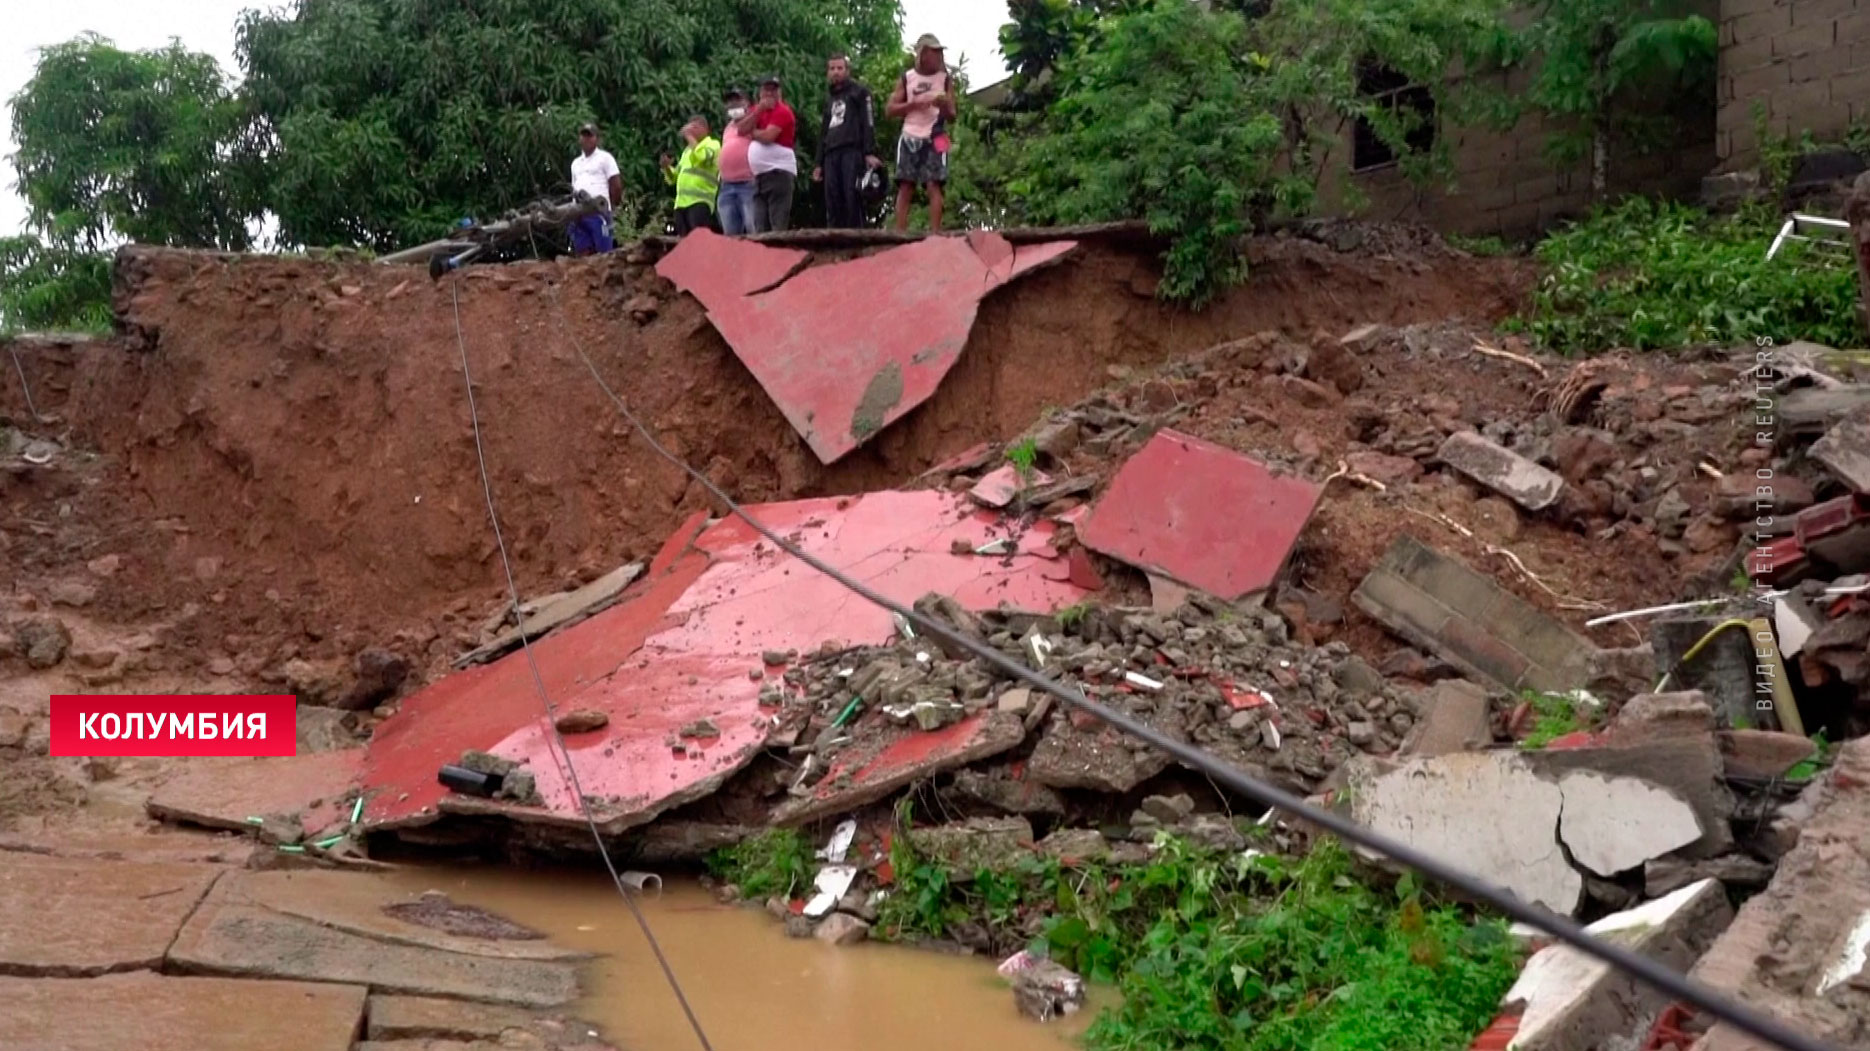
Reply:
x=560, y=753
x=1677, y=986
x=24, y=387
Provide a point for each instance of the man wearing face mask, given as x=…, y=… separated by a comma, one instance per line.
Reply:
x=736, y=200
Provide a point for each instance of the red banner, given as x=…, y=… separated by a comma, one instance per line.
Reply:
x=163, y=725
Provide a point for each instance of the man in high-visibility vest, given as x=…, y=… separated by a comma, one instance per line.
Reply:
x=696, y=177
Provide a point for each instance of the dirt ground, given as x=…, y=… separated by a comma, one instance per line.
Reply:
x=255, y=462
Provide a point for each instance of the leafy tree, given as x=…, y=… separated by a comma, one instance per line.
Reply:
x=384, y=121
x=1200, y=121
x=1599, y=60
x=49, y=287
x=131, y=144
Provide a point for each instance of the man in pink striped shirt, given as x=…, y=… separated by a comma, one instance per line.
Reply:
x=736, y=197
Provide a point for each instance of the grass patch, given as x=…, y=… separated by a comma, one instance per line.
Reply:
x=1024, y=456
x=1226, y=952
x=1554, y=716
x=1645, y=275
x=777, y=861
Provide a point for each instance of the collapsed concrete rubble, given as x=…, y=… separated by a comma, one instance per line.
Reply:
x=1251, y=605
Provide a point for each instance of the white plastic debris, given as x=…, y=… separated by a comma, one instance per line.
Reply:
x=1040, y=647
x=1142, y=682
x=903, y=627
x=997, y=547
x=1019, y=961
x=840, y=844
x=832, y=882
x=1269, y=734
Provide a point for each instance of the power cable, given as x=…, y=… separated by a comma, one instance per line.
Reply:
x=1564, y=929
x=557, y=739
x=24, y=387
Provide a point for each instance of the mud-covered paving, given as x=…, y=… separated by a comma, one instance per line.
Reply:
x=1655, y=457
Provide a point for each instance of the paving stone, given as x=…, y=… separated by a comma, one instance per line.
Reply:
x=331, y=926
x=420, y=1017
x=1688, y=767
x=150, y=1012
x=111, y=915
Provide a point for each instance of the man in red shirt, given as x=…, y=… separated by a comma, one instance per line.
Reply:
x=773, y=129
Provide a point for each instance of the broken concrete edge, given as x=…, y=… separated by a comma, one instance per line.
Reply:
x=1124, y=231
x=565, y=610
x=805, y=811
x=1566, y=1000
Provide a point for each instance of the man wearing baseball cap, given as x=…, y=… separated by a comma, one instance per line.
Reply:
x=925, y=100
x=594, y=172
x=773, y=128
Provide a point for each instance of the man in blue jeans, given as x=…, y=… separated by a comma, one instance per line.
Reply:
x=736, y=198
x=594, y=172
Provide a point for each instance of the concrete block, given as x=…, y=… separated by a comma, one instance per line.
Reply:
x=1570, y=1000
x=1455, y=717
x=1723, y=670
x=1614, y=825
x=1762, y=754
x=1851, y=86
x=1808, y=39
x=1739, y=58
x=1761, y=82
x=1442, y=605
x=1689, y=768
x=1769, y=21
x=1819, y=12
x=1650, y=716
x=1502, y=470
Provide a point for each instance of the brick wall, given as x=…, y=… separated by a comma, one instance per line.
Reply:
x=1505, y=184
x=1804, y=63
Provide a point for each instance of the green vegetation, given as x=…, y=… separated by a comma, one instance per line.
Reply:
x=1644, y=275
x=777, y=861
x=1600, y=61
x=1823, y=752
x=1235, y=952
x=44, y=288
x=1024, y=456
x=1554, y=716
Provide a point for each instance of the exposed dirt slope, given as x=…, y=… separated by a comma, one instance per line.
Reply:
x=285, y=463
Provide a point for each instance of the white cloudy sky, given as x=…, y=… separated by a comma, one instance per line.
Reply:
x=969, y=28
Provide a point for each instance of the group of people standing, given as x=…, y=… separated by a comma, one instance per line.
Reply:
x=743, y=182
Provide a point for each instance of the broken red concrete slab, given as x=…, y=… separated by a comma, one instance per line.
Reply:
x=68, y=918
x=237, y=932
x=308, y=790
x=843, y=367
x=717, y=270
x=1797, y=950
x=1000, y=487
x=1202, y=515
x=679, y=648
x=907, y=757
x=151, y=1012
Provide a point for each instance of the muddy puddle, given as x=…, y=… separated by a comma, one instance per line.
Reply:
x=751, y=986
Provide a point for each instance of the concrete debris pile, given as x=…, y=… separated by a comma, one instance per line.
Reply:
x=1234, y=683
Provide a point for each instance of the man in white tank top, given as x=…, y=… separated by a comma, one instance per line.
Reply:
x=925, y=100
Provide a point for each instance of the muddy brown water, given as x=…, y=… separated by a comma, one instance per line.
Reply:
x=753, y=988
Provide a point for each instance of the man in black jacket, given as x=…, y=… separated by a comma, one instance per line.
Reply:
x=846, y=143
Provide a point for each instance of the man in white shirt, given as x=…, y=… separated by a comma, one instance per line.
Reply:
x=594, y=172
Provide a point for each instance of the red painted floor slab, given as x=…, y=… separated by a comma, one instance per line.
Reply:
x=846, y=349
x=861, y=777
x=679, y=648
x=225, y=793
x=1202, y=515
x=718, y=270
